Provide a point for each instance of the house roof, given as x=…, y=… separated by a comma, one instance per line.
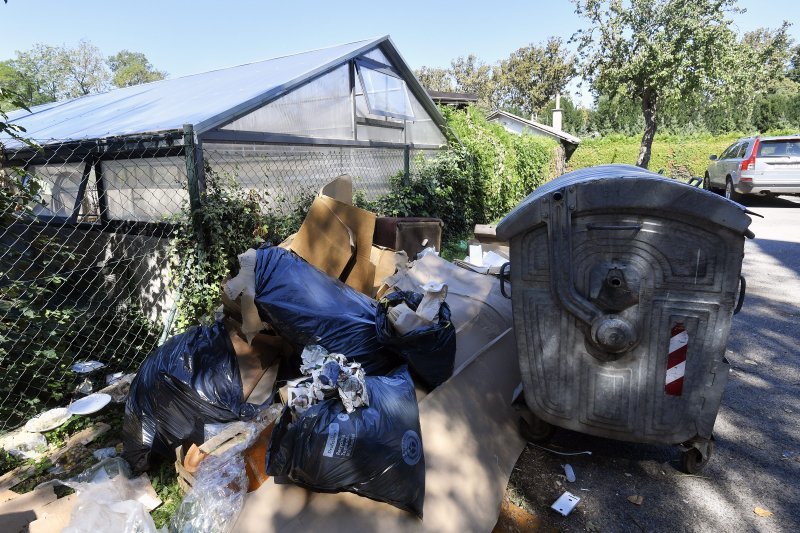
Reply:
x=453, y=98
x=547, y=130
x=206, y=100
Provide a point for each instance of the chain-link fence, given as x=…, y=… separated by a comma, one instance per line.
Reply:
x=85, y=270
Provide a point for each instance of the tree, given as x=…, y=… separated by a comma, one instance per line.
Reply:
x=86, y=70
x=434, y=78
x=769, y=53
x=474, y=76
x=133, y=68
x=657, y=51
x=50, y=73
x=794, y=65
x=532, y=75
x=40, y=74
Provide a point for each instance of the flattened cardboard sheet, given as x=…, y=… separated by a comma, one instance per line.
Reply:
x=337, y=239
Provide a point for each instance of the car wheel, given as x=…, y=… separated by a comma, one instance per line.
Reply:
x=730, y=192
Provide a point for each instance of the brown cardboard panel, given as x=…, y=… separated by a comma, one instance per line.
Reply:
x=383, y=259
x=54, y=516
x=337, y=239
x=324, y=240
x=7, y=494
x=471, y=444
x=340, y=189
x=17, y=513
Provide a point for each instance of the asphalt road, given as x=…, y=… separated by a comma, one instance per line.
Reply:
x=756, y=463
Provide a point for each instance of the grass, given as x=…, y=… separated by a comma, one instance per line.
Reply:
x=165, y=482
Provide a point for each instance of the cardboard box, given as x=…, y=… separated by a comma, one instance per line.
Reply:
x=385, y=261
x=337, y=239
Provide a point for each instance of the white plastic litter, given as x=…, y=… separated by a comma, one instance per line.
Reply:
x=85, y=367
x=244, y=284
x=569, y=472
x=104, y=453
x=112, y=504
x=24, y=444
x=48, y=420
x=90, y=404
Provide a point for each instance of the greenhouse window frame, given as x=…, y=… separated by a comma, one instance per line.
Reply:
x=385, y=70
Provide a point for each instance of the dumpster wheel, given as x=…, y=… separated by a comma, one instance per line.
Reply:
x=695, y=455
x=534, y=429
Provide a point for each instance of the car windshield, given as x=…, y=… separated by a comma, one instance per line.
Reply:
x=779, y=148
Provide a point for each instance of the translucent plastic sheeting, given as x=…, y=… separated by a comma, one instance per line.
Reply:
x=168, y=104
x=423, y=130
x=60, y=185
x=376, y=55
x=145, y=190
x=320, y=108
x=286, y=173
x=378, y=133
x=386, y=95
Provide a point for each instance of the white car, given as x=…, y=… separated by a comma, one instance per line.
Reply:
x=756, y=165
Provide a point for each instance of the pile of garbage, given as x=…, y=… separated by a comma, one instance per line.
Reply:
x=313, y=370
x=299, y=322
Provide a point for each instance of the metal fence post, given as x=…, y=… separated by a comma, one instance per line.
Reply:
x=195, y=204
x=406, y=164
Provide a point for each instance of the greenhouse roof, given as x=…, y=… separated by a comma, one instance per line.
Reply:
x=205, y=100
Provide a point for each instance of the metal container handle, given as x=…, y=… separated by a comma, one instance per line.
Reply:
x=742, y=290
x=504, y=275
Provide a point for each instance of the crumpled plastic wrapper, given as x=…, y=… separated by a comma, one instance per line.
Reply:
x=109, y=501
x=216, y=498
x=330, y=374
x=220, y=482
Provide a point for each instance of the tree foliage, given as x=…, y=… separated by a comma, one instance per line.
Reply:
x=435, y=78
x=521, y=83
x=471, y=75
x=658, y=51
x=46, y=73
x=532, y=75
x=133, y=68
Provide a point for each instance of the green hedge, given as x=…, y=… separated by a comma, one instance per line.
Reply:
x=679, y=156
x=508, y=166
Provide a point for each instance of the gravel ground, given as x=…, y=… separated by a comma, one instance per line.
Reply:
x=756, y=463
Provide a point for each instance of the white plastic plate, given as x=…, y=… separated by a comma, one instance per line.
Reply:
x=48, y=420
x=90, y=404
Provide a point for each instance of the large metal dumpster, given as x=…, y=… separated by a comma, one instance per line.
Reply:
x=623, y=287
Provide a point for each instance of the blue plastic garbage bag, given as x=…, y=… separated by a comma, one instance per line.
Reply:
x=374, y=451
x=191, y=380
x=307, y=306
x=429, y=350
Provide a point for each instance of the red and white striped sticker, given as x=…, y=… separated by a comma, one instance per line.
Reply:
x=676, y=360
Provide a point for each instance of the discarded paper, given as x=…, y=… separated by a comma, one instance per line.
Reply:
x=330, y=374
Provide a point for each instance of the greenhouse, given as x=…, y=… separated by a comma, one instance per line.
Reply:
x=85, y=273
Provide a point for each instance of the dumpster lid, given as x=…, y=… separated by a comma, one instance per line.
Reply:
x=626, y=187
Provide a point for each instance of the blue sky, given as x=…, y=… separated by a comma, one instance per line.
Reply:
x=185, y=37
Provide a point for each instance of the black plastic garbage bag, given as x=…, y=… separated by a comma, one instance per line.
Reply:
x=307, y=306
x=191, y=380
x=374, y=451
x=429, y=350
